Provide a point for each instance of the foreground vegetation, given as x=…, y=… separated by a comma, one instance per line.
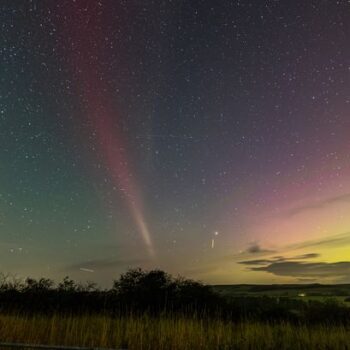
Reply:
x=170, y=333
x=153, y=310
x=157, y=293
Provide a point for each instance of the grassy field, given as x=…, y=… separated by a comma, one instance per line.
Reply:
x=168, y=333
x=296, y=291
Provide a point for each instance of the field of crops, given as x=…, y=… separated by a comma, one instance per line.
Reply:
x=170, y=333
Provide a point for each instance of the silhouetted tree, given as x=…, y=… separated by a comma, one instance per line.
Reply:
x=144, y=290
x=67, y=285
x=37, y=286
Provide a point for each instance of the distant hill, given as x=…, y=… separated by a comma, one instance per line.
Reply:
x=287, y=290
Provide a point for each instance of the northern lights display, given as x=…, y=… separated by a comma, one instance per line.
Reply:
x=209, y=139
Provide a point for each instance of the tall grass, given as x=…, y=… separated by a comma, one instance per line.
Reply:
x=168, y=333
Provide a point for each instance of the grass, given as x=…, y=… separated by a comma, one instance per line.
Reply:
x=170, y=333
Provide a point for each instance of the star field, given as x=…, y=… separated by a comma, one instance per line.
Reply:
x=184, y=135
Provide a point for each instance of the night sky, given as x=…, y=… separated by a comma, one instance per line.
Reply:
x=206, y=138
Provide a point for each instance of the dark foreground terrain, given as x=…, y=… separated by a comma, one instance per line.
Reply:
x=153, y=310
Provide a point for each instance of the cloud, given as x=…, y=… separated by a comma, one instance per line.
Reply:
x=344, y=198
x=255, y=248
x=298, y=267
x=336, y=240
x=307, y=270
x=256, y=262
x=101, y=264
x=278, y=259
x=306, y=256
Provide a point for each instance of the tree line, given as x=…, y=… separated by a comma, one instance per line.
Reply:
x=157, y=293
